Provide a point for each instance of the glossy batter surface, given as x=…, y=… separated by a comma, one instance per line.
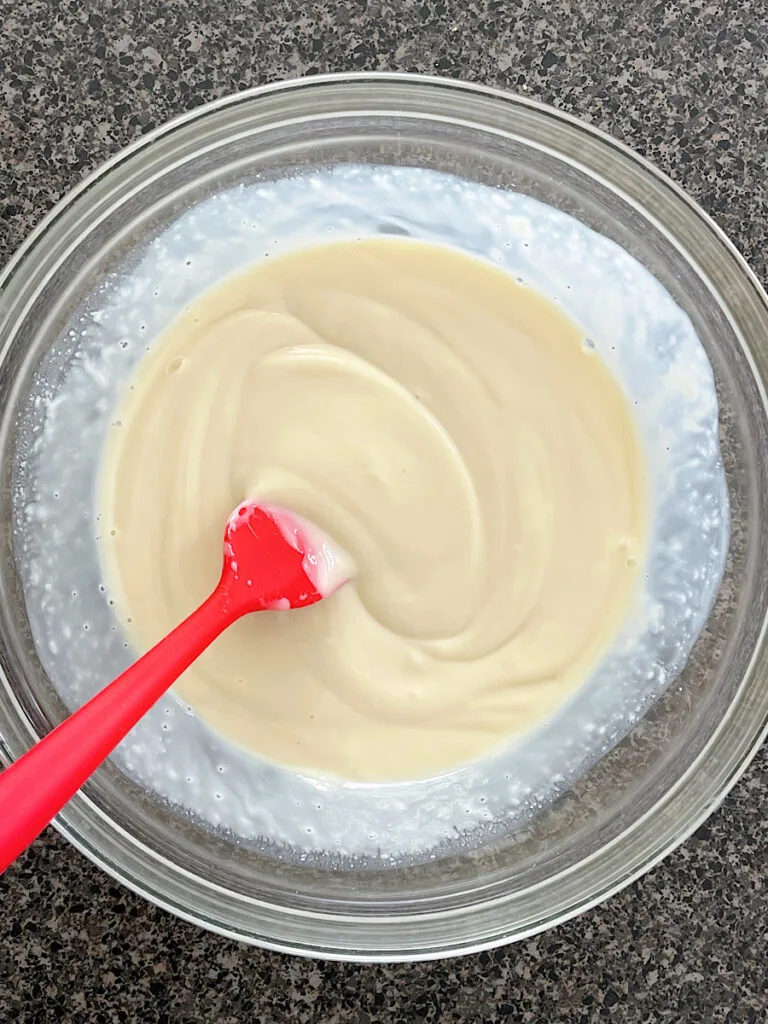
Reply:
x=455, y=434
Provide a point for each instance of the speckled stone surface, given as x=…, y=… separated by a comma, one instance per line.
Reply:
x=686, y=84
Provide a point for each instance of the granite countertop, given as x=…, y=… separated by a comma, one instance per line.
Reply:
x=685, y=84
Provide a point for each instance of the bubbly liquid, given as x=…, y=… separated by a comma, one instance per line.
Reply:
x=643, y=337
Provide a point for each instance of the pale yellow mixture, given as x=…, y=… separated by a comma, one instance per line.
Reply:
x=446, y=426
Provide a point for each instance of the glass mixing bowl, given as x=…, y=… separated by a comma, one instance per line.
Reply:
x=656, y=786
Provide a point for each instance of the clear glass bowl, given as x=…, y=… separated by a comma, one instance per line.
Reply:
x=657, y=785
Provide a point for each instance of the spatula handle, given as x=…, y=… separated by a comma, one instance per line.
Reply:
x=35, y=788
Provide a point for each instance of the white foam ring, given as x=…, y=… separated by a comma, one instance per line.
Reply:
x=636, y=328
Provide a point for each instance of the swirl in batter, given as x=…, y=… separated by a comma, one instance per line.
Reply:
x=451, y=430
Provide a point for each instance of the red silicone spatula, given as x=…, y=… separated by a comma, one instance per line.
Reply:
x=272, y=560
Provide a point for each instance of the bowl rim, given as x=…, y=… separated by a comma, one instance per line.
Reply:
x=686, y=804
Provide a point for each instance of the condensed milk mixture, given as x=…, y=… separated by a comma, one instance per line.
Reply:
x=453, y=431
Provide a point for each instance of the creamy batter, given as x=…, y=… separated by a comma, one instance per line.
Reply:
x=453, y=432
